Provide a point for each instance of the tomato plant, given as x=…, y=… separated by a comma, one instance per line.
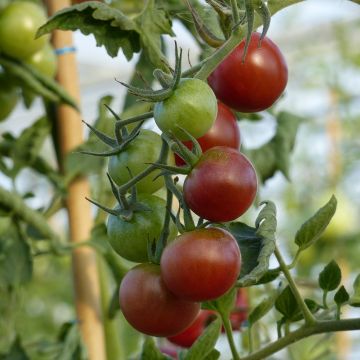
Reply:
x=44, y=61
x=8, y=97
x=150, y=307
x=19, y=22
x=202, y=264
x=221, y=186
x=129, y=238
x=224, y=132
x=255, y=83
x=145, y=149
x=192, y=107
x=191, y=334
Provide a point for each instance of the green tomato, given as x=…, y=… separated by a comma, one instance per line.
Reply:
x=192, y=106
x=8, y=97
x=137, y=155
x=19, y=22
x=44, y=60
x=130, y=238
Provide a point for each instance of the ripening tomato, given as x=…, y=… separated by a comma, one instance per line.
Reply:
x=192, y=107
x=44, y=60
x=202, y=264
x=136, y=156
x=19, y=22
x=224, y=132
x=255, y=84
x=190, y=335
x=130, y=238
x=221, y=186
x=150, y=307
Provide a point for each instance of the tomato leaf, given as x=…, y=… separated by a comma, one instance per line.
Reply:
x=16, y=352
x=223, y=304
x=330, y=276
x=204, y=345
x=314, y=227
x=275, y=155
x=261, y=310
x=256, y=244
x=114, y=30
x=286, y=304
x=150, y=351
x=71, y=343
x=341, y=296
x=355, y=299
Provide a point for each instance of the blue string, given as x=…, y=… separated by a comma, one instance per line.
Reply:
x=65, y=50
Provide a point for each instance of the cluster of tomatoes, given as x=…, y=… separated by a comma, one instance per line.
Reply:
x=203, y=263
x=19, y=21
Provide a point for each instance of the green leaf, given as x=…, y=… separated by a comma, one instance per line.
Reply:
x=269, y=276
x=275, y=155
x=72, y=346
x=17, y=352
x=355, y=299
x=150, y=351
x=205, y=344
x=330, y=276
x=286, y=304
x=223, y=304
x=313, y=307
x=313, y=228
x=341, y=296
x=256, y=245
x=16, y=263
x=261, y=310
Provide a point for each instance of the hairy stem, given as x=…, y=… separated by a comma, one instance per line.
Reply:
x=308, y=316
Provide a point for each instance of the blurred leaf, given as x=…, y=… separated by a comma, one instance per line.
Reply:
x=16, y=264
x=330, y=276
x=17, y=352
x=72, y=347
x=205, y=344
x=275, y=155
x=224, y=304
x=150, y=351
x=256, y=244
x=355, y=299
x=261, y=310
x=269, y=276
x=341, y=296
x=314, y=227
x=286, y=304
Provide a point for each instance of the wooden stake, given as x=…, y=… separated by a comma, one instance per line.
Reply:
x=70, y=132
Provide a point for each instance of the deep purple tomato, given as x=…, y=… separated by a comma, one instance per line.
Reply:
x=255, y=84
x=221, y=186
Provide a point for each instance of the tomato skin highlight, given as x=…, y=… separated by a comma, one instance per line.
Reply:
x=192, y=106
x=202, y=264
x=255, y=84
x=129, y=238
x=221, y=186
x=224, y=132
x=190, y=335
x=150, y=307
x=19, y=22
x=44, y=60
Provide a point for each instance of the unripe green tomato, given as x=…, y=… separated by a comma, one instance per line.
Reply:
x=192, y=106
x=130, y=238
x=8, y=98
x=44, y=60
x=19, y=22
x=137, y=155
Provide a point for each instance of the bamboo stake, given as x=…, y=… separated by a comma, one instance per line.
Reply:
x=70, y=132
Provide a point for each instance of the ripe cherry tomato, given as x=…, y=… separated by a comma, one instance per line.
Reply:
x=44, y=60
x=189, y=335
x=202, y=264
x=255, y=84
x=136, y=156
x=19, y=22
x=224, y=132
x=192, y=107
x=130, y=238
x=150, y=307
x=221, y=186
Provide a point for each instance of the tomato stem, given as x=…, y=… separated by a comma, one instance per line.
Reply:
x=229, y=334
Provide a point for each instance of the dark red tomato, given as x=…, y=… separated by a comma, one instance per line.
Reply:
x=255, y=84
x=221, y=186
x=150, y=307
x=201, y=265
x=224, y=132
x=189, y=336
